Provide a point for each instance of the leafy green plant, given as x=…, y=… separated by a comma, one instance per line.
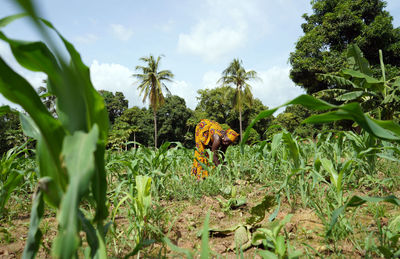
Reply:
x=70, y=148
x=10, y=175
x=389, y=237
x=139, y=213
x=271, y=238
x=233, y=202
x=243, y=231
x=378, y=96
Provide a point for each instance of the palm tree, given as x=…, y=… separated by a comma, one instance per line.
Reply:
x=151, y=83
x=236, y=75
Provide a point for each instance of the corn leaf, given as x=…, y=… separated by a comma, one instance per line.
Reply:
x=78, y=153
x=357, y=201
x=34, y=234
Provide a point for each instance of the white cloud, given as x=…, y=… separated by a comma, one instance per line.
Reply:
x=166, y=26
x=210, y=79
x=86, y=39
x=276, y=87
x=211, y=41
x=186, y=91
x=115, y=78
x=121, y=32
x=225, y=27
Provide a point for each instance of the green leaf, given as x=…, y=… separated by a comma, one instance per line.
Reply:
x=78, y=153
x=12, y=181
x=6, y=20
x=34, y=56
x=350, y=96
x=382, y=65
x=205, y=249
x=267, y=254
x=280, y=246
x=355, y=58
x=240, y=237
x=357, y=201
x=91, y=236
x=143, y=197
x=34, y=234
x=328, y=166
x=29, y=127
x=258, y=212
x=374, y=84
x=337, y=80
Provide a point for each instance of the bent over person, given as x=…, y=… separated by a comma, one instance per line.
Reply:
x=209, y=134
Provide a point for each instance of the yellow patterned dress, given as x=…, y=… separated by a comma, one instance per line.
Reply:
x=203, y=134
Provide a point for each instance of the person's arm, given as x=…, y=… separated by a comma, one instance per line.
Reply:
x=214, y=148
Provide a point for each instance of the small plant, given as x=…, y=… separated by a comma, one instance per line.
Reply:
x=10, y=175
x=271, y=238
x=233, y=202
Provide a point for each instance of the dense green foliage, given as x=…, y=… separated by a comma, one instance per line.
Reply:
x=334, y=25
x=173, y=116
x=379, y=97
x=116, y=104
x=10, y=131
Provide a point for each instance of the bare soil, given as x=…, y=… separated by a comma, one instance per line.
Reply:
x=185, y=221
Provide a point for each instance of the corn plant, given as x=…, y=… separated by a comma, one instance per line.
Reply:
x=140, y=203
x=10, y=175
x=271, y=238
x=70, y=148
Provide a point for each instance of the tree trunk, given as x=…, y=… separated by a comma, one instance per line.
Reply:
x=240, y=110
x=240, y=123
x=155, y=129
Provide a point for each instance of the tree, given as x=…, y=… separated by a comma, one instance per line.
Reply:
x=212, y=105
x=135, y=122
x=173, y=117
x=116, y=104
x=151, y=81
x=334, y=25
x=236, y=75
x=10, y=131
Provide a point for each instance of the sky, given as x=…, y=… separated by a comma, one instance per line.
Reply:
x=196, y=38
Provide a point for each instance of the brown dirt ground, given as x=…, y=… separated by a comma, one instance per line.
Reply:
x=186, y=221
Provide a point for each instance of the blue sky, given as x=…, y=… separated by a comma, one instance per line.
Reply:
x=197, y=38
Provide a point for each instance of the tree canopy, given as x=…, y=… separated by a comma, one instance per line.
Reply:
x=334, y=25
x=116, y=104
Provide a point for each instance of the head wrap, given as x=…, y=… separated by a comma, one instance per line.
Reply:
x=232, y=135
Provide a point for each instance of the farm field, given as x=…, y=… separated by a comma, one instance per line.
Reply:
x=84, y=176
x=305, y=178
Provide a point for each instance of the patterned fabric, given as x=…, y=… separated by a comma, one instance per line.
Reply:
x=203, y=134
x=232, y=135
